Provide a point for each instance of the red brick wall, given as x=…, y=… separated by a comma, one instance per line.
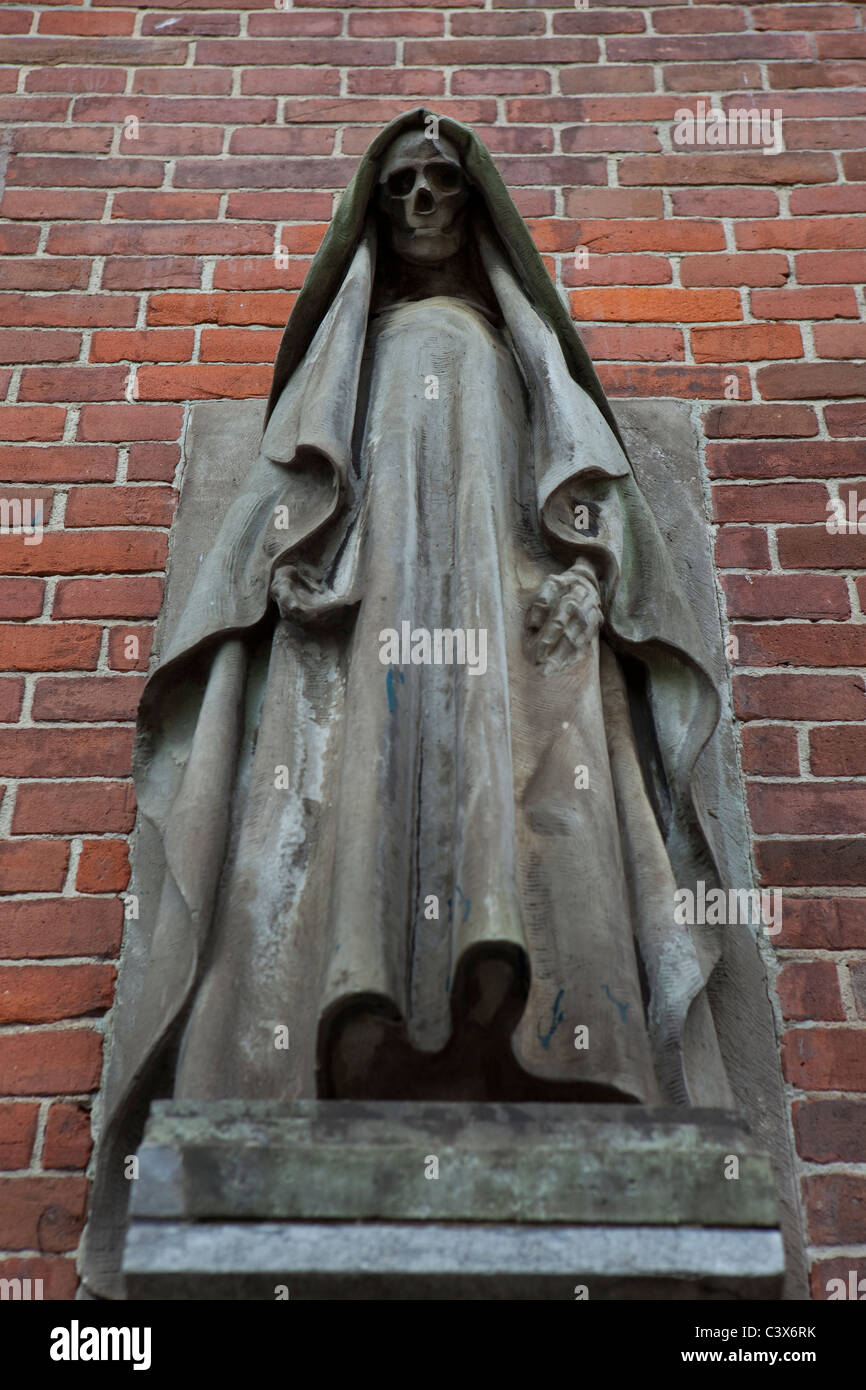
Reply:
x=140, y=275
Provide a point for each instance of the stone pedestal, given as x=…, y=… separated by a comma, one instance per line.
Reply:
x=376, y=1200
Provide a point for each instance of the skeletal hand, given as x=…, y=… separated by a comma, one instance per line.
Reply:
x=566, y=614
x=298, y=591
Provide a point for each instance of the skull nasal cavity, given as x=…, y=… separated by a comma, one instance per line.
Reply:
x=424, y=201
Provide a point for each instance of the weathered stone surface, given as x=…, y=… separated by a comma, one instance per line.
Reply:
x=544, y=1164
x=333, y=1261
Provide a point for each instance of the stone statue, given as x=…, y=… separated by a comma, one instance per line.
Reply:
x=416, y=767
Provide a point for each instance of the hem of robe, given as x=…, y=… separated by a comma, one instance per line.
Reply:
x=483, y=1045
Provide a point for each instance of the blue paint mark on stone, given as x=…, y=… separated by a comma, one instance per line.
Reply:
x=623, y=1008
x=389, y=687
x=556, y=1018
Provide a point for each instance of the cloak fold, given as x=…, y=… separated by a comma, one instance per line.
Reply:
x=237, y=694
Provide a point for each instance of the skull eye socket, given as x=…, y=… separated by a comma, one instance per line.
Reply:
x=445, y=178
x=401, y=182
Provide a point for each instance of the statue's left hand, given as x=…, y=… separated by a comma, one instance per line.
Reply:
x=298, y=591
x=566, y=614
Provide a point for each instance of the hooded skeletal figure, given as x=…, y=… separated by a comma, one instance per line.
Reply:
x=444, y=882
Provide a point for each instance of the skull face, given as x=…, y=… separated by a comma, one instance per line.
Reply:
x=423, y=192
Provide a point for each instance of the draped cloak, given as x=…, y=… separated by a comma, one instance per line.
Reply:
x=432, y=880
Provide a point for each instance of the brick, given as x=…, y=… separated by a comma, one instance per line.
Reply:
x=241, y=310
x=66, y=463
x=840, y=340
x=682, y=381
x=683, y=50
x=803, y=644
x=204, y=382
x=37, y=866
x=67, y=1143
x=633, y=344
x=84, y=552
x=846, y=420
x=260, y=273
x=71, y=79
x=785, y=596
x=142, y=345
x=858, y=986
x=17, y=1134
x=21, y=598
x=725, y=202
x=122, y=656
x=279, y=206
x=818, y=458
x=830, y=267
x=838, y=750
x=175, y=24
x=711, y=77
x=279, y=52
x=122, y=423
x=500, y=82
x=770, y=750
x=618, y=270
x=830, y=1131
x=11, y=700
x=809, y=809
x=20, y=423
x=655, y=305
x=141, y=205
x=50, y=927
x=120, y=506
x=18, y=346
x=747, y=342
x=44, y=1214
x=825, y=697
x=180, y=238
x=759, y=421
x=839, y=198
x=835, y=1206
x=78, y=171
x=491, y=50
x=40, y=205
x=66, y=752
x=609, y=138
x=73, y=807
x=68, y=310
x=806, y=380
x=73, y=140
x=152, y=273
x=162, y=110
x=825, y=1059
x=152, y=462
x=796, y=233
x=816, y=863
x=49, y=647
x=742, y=547
x=742, y=167
x=369, y=82
x=228, y=345
x=51, y=993
x=107, y=22
x=103, y=866
x=613, y=202
x=771, y=502
x=810, y=547
x=729, y=269
x=804, y=303
x=87, y=699
x=71, y=383
x=823, y=924
x=33, y=50
x=649, y=234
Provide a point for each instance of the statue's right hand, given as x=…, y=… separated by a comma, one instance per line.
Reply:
x=298, y=591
